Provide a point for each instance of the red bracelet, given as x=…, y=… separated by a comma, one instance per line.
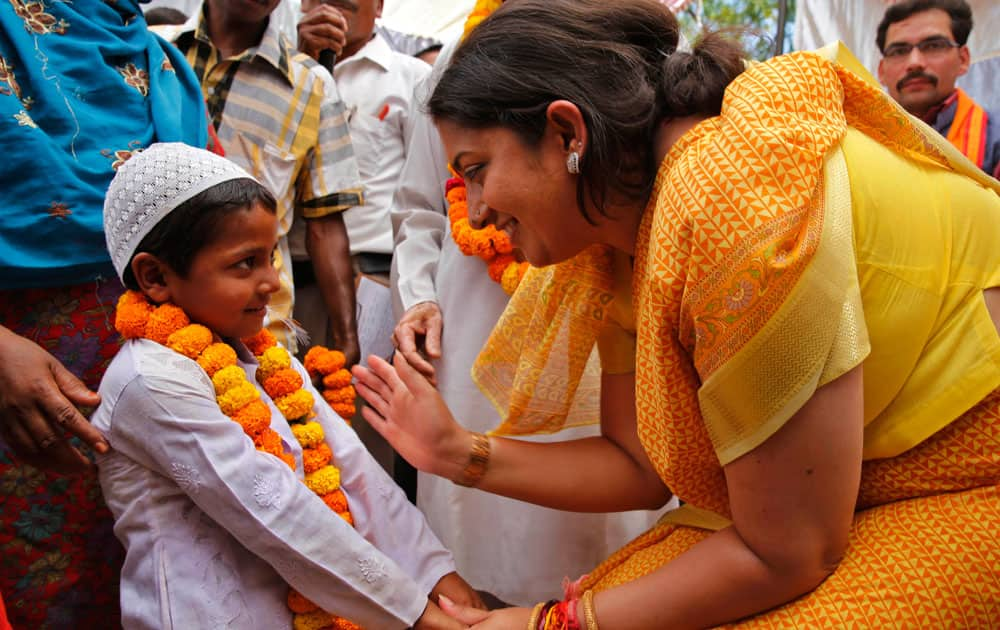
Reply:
x=572, y=622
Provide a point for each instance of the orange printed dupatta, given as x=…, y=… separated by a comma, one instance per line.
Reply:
x=968, y=129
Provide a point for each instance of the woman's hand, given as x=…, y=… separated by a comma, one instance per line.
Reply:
x=38, y=399
x=456, y=589
x=483, y=620
x=419, y=330
x=434, y=619
x=408, y=412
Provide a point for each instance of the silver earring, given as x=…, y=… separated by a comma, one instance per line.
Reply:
x=573, y=163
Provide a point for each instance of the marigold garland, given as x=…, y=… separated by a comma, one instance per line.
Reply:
x=326, y=367
x=239, y=399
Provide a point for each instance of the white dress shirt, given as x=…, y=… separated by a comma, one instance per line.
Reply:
x=214, y=529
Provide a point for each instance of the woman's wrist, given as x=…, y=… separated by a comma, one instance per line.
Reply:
x=474, y=460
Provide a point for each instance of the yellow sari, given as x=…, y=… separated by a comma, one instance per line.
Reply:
x=811, y=227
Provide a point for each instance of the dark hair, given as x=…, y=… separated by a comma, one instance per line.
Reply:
x=615, y=60
x=164, y=15
x=957, y=10
x=191, y=226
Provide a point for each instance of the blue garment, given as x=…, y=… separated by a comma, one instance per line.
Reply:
x=82, y=85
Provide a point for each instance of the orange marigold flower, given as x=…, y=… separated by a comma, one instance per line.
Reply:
x=458, y=210
x=315, y=620
x=347, y=517
x=344, y=410
x=234, y=399
x=132, y=297
x=165, y=320
x=498, y=266
x=273, y=359
x=321, y=361
x=228, y=378
x=323, y=481
x=215, y=357
x=260, y=342
x=267, y=440
x=345, y=624
x=130, y=319
x=342, y=395
x=340, y=378
x=295, y=405
x=316, y=457
x=483, y=242
x=501, y=243
x=456, y=194
x=190, y=340
x=336, y=501
x=288, y=458
x=254, y=417
x=299, y=603
x=282, y=383
x=308, y=434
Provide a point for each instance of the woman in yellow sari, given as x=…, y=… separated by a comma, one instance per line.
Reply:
x=815, y=282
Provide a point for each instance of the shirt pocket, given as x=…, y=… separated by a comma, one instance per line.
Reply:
x=369, y=135
x=274, y=167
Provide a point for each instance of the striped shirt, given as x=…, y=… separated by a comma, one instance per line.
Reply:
x=279, y=116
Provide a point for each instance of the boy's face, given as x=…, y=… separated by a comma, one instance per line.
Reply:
x=360, y=16
x=232, y=278
x=253, y=11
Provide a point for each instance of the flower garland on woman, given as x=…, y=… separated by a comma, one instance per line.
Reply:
x=488, y=243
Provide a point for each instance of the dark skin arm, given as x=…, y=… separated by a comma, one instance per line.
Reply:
x=329, y=251
x=38, y=406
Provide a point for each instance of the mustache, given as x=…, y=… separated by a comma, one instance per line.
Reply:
x=917, y=74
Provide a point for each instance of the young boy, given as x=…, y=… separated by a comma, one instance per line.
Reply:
x=215, y=523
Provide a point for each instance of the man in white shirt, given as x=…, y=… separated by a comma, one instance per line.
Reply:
x=377, y=85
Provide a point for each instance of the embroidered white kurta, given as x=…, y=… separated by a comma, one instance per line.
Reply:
x=214, y=529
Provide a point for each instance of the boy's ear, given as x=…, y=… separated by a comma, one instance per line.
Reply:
x=150, y=274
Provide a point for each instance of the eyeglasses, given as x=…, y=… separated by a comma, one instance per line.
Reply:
x=930, y=47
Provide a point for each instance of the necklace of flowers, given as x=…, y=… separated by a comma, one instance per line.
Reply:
x=488, y=243
x=167, y=324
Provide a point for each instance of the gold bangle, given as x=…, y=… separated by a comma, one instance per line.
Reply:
x=588, y=610
x=536, y=612
x=479, y=460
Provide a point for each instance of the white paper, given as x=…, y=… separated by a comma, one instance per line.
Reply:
x=375, y=321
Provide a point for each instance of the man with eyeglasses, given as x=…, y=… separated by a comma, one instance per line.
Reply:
x=923, y=53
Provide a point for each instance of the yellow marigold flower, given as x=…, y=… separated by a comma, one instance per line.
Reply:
x=274, y=359
x=295, y=405
x=190, y=340
x=236, y=398
x=308, y=434
x=323, y=481
x=499, y=264
x=254, y=417
x=282, y=383
x=215, y=357
x=131, y=319
x=260, y=342
x=165, y=320
x=336, y=380
x=342, y=395
x=316, y=457
x=344, y=410
x=315, y=620
x=511, y=278
x=228, y=378
x=298, y=603
x=336, y=501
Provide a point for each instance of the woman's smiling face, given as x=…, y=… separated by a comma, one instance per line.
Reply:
x=525, y=191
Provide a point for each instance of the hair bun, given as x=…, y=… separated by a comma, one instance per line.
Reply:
x=694, y=82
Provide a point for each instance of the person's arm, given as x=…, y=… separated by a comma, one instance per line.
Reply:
x=607, y=473
x=38, y=405
x=792, y=500
x=168, y=420
x=329, y=250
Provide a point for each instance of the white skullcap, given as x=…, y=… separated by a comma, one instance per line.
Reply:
x=152, y=183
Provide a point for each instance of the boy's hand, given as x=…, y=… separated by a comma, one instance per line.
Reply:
x=455, y=588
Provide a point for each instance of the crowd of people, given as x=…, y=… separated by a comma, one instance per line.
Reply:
x=681, y=340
